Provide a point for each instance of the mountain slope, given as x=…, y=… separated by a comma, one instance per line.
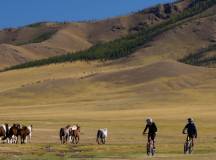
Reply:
x=51, y=39
x=184, y=27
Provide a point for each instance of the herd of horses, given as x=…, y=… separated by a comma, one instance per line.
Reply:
x=12, y=134
x=71, y=134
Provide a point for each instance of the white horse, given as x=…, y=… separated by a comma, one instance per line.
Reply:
x=102, y=135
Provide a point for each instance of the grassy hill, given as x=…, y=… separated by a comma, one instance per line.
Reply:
x=127, y=45
x=47, y=39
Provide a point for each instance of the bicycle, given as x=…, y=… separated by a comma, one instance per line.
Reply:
x=150, y=150
x=188, y=145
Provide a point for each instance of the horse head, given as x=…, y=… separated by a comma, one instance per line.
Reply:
x=78, y=127
x=30, y=128
x=68, y=126
x=16, y=125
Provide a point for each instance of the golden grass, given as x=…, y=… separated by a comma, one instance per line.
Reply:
x=53, y=96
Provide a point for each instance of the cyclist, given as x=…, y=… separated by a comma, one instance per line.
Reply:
x=152, y=129
x=191, y=130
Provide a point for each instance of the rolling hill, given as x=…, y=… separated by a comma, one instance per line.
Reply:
x=47, y=39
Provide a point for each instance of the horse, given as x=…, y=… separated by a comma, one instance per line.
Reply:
x=14, y=133
x=4, y=131
x=23, y=133
x=101, y=136
x=75, y=134
x=64, y=134
x=30, y=134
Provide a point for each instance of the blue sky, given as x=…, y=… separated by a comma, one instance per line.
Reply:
x=15, y=13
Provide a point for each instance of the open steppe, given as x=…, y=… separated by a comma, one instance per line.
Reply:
x=117, y=94
x=97, y=95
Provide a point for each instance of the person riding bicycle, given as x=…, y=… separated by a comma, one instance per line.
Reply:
x=152, y=129
x=191, y=130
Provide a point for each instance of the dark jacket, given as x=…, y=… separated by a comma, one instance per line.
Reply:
x=152, y=128
x=191, y=129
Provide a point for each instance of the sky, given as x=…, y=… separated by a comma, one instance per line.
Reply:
x=17, y=13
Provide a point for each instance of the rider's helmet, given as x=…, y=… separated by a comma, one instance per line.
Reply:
x=190, y=120
x=149, y=120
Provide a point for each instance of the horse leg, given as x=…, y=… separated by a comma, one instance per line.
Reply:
x=22, y=140
x=104, y=140
x=61, y=139
x=14, y=139
x=73, y=139
x=26, y=139
x=17, y=139
x=77, y=141
x=70, y=139
x=66, y=139
x=30, y=135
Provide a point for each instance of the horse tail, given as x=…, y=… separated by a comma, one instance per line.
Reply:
x=98, y=135
x=7, y=129
x=61, y=133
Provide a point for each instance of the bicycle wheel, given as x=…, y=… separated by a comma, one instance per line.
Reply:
x=185, y=147
x=152, y=151
x=148, y=149
x=190, y=147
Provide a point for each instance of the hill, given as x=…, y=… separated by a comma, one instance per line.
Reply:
x=47, y=39
x=187, y=38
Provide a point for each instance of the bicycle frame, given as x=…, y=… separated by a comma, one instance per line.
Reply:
x=188, y=148
x=150, y=147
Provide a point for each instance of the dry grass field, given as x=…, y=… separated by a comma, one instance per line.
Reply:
x=112, y=95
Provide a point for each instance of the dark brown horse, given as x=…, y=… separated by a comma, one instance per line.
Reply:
x=14, y=133
x=75, y=135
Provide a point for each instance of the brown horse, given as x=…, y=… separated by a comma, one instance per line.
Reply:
x=14, y=133
x=23, y=133
x=75, y=135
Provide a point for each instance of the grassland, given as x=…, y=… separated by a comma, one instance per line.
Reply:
x=98, y=95
x=116, y=94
